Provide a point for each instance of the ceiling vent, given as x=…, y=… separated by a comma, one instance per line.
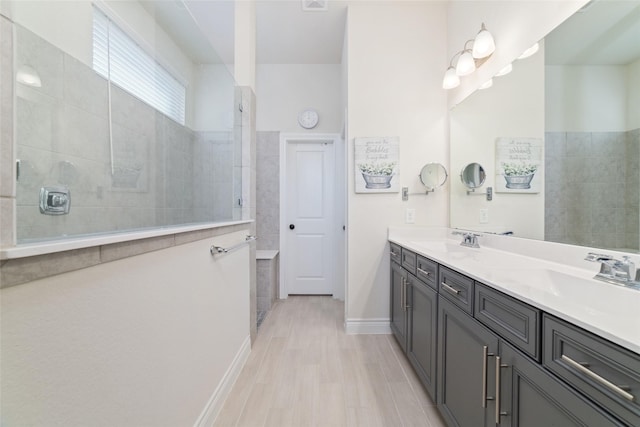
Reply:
x=315, y=5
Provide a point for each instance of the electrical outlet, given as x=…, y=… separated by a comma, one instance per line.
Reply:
x=484, y=216
x=410, y=216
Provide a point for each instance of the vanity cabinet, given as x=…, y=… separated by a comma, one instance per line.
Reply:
x=489, y=359
x=414, y=312
x=484, y=381
x=422, y=335
x=531, y=396
x=399, y=316
x=466, y=376
x=605, y=372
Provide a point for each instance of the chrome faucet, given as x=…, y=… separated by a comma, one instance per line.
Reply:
x=468, y=239
x=615, y=271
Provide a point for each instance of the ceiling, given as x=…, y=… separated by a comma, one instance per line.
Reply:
x=605, y=32
x=285, y=33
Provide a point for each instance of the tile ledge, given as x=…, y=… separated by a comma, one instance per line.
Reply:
x=53, y=246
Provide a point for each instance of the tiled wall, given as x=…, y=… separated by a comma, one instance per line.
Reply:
x=162, y=174
x=268, y=190
x=592, y=188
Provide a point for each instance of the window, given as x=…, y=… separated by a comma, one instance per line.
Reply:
x=118, y=58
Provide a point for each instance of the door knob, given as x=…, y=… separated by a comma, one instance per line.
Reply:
x=291, y=226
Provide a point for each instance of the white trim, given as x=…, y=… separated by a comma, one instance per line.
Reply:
x=367, y=326
x=44, y=247
x=214, y=405
x=285, y=138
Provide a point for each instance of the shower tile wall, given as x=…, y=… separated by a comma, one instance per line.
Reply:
x=163, y=173
x=268, y=190
x=592, y=181
x=7, y=157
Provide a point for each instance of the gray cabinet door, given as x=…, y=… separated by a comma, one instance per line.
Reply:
x=423, y=320
x=398, y=310
x=466, y=368
x=531, y=397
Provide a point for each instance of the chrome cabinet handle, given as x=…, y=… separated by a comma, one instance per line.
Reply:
x=393, y=253
x=485, y=351
x=498, y=412
x=450, y=289
x=603, y=381
x=406, y=296
x=402, y=294
x=485, y=356
x=425, y=272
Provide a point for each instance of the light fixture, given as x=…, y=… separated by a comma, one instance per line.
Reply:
x=466, y=65
x=527, y=53
x=451, y=79
x=483, y=45
x=28, y=76
x=506, y=70
x=487, y=84
x=469, y=58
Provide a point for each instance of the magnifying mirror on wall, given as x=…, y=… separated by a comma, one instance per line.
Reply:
x=433, y=175
x=473, y=176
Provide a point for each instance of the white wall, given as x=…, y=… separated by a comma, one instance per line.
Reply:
x=512, y=107
x=396, y=57
x=145, y=340
x=283, y=90
x=515, y=25
x=591, y=98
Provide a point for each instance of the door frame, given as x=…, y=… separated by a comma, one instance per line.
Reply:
x=338, y=219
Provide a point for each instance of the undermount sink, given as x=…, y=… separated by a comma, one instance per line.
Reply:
x=439, y=246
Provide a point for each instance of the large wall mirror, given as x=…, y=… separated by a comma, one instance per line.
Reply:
x=580, y=96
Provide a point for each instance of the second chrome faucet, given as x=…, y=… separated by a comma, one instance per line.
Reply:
x=620, y=272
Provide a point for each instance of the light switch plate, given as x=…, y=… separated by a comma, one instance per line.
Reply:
x=410, y=216
x=484, y=216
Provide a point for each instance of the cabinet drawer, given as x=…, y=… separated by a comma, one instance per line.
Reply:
x=409, y=261
x=456, y=288
x=427, y=271
x=515, y=321
x=394, y=252
x=607, y=373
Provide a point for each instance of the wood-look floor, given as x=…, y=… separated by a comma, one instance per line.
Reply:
x=305, y=371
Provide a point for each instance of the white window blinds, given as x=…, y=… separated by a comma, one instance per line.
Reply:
x=118, y=58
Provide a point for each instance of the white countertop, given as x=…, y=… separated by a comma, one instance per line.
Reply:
x=565, y=288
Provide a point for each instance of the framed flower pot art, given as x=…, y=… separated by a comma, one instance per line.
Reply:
x=519, y=165
x=377, y=165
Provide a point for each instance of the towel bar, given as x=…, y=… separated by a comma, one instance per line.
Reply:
x=220, y=250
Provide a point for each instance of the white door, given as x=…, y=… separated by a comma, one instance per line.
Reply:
x=309, y=213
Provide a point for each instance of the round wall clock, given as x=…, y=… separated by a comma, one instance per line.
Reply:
x=308, y=119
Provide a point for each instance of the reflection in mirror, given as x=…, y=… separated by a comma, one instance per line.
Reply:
x=433, y=175
x=581, y=93
x=473, y=175
x=159, y=156
x=592, y=127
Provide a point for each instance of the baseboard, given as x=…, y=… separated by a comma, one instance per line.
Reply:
x=367, y=326
x=214, y=405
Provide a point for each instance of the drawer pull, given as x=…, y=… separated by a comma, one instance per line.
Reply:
x=403, y=293
x=425, y=272
x=485, y=355
x=393, y=254
x=499, y=413
x=580, y=367
x=450, y=289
